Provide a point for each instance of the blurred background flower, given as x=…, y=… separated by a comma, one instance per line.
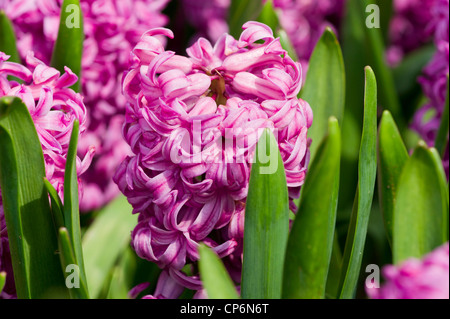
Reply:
x=416, y=279
x=434, y=80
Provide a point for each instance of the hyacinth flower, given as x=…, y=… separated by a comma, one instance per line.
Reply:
x=53, y=107
x=112, y=28
x=409, y=28
x=416, y=279
x=186, y=193
x=427, y=119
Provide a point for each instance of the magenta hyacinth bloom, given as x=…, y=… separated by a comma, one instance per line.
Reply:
x=434, y=81
x=416, y=279
x=112, y=28
x=410, y=27
x=185, y=116
x=53, y=107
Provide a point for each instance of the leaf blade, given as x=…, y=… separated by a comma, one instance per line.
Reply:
x=67, y=257
x=113, y=226
x=392, y=157
x=324, y=87
x=266, y=224
x=420, y=209
x=33, y=239
x=214, y=275
x=367, y=168
x=240, y=12
x=311, y=238
x=8, y=38
x=68, y=49
x=71, y=201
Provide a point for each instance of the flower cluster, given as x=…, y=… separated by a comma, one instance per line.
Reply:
x=112, y=28
x=53, y=108
x=192, y=124
x=417, y=279
x=409, y=28
x=434, y=80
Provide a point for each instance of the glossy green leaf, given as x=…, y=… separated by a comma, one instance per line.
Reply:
x=2, y=280
x=112, y=225
x=421, y=208
x=214, y=275
x=68, y=49
x=441, y=142
x=392, y=156
x=56, y=205
x=242, y=11
x=32, y=236
x=324, y=88
x=367, y=170
x=77, y=285
x=311, y=238
x=8, y=38
x=71, y=202
x=266, y=223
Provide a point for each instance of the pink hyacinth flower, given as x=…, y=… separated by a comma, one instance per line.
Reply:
x=192, y=124
x=112, y=28
x=434, y=81
x=416, y=279
x=409, y=28
x=53, y=108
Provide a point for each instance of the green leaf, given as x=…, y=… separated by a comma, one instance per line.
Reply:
x=311, y=239
x=129, y=271
x=8, y=38
x=32, y=236
x=266, y=223
x=324, y=88
x=240, y=12
x=68, y=49
x=387, y=10
x=68, y=261
x=214, y=275
x=269, y=16
x=441, y=142
x=2, y=280
x=392, y=156
x=71, y=202
x=376, y=53
x=57, y=206
x=367, y=170
x=287, y=44
x=112, y=225
x=334, y=272
x=421, y=208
